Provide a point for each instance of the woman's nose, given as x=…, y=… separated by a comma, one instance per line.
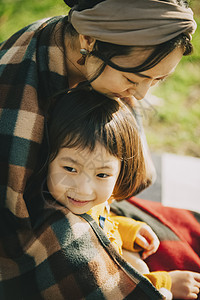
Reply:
x=141, y=90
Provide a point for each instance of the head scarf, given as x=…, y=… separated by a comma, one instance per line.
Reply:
x=133, y=22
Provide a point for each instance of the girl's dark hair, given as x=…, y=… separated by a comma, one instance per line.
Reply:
x=84, y=117
x=106, y=51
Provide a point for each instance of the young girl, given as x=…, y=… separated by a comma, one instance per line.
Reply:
x=96, y=156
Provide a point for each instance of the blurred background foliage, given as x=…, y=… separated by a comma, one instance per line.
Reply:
x=172, y=122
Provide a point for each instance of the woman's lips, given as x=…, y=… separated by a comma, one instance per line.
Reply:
x=117, y=95
x=76, y=202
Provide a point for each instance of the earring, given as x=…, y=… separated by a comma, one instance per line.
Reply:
x=84, y=53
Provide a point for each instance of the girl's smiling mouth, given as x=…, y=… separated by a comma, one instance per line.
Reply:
x=78, y=202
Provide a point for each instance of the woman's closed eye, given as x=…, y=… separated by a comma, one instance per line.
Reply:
x=158, y=80
x=161, y=79
x=131, y=81
x=70, y=169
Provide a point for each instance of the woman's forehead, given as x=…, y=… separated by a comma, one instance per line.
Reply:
x=135, y=58
x=163, y=68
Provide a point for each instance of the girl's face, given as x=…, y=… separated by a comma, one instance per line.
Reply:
x=124, y=85
x=81, y=179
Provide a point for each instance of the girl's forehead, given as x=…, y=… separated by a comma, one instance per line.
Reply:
x=82, y=156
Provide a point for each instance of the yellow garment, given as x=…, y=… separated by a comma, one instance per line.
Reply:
x=122, y=232
x=128, y=229
x=110, y=226
x=160, y=279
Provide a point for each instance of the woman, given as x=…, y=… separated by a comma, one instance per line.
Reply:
x=121, y=49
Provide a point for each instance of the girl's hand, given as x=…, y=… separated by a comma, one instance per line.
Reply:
x=185, y=284
x=148, y=240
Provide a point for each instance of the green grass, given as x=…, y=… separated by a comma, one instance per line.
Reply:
x=15, y=14
x=175, y=125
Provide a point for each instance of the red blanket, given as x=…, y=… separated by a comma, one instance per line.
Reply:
x=179, y=235
x=177, y=229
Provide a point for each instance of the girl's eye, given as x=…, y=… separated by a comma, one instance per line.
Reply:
x=70, y=169
x=102, y=175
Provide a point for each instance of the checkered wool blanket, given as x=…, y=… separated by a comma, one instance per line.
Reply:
x=46, y=252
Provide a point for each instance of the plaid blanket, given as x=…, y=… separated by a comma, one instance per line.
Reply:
x=177, y=229
x=46, y=252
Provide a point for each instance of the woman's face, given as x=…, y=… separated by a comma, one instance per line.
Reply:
x=114, y=83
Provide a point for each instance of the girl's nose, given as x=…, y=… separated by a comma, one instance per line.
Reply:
x=85, y=185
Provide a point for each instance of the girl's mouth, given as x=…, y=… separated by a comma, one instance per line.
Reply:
x=76, y=202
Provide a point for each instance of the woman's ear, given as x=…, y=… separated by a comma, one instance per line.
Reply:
x=86, y=42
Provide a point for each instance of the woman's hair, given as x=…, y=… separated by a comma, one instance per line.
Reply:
x=84, y=117
x=106, y=51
